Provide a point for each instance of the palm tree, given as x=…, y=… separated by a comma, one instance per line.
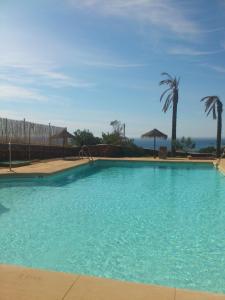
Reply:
x=171, y=95
x=214, y=105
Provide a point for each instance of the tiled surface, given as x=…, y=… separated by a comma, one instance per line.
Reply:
x=43, y=167
x=92, y=288
x=221, y=165
x=191, y=295
x=18, y=283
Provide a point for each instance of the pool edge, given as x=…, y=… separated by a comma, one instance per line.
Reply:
x=47, y=168
x=17, y=282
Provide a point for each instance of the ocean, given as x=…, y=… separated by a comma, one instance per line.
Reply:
x=199, y=143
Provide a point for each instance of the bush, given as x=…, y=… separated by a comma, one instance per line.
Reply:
x=85, y=137
x=132, y=150
x=208, y=150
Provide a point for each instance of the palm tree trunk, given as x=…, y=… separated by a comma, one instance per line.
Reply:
x=219, y=129
x=174, y=124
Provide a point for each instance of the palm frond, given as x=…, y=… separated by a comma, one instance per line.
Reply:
x=166, y=81
x=210, y=105
x=167, y=90
x=167, y=102
x=171, y=92
x=167, y=74
x=210, y=102
x=204, y=98
x=210, y=109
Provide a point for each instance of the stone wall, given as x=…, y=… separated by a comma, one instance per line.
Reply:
x=26, y=152
x=21, y=152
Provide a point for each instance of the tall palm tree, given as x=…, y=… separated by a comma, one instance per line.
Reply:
x=171, y=95
x=214, y=105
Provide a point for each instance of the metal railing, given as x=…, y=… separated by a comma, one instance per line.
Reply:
x=85, y=153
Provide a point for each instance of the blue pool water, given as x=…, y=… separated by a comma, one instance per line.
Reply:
x=153, y=223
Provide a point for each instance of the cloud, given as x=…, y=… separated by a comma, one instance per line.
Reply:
x=166, y=14
x=39, y=75
x=15, y=93
x=113, y=64
x=216, y=68
x=191, y=52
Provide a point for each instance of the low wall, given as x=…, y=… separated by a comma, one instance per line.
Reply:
x=104, y=150
x=21, y=152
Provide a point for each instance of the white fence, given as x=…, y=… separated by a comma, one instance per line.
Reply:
x=23, y=132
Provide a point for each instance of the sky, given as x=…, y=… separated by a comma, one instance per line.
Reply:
x=83, y=63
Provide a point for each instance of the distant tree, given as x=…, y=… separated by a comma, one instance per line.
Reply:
x=208, y=150
x=118, y=127
x=185, y=144
x=111, y=138
x=85, y=137
x=171, y=95
x=214, y=105
x=117, y=136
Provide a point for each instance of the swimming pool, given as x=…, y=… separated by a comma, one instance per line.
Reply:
x=159, y=223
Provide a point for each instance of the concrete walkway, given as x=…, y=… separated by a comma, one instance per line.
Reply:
x=48, y=167
x=45, y=167
x=18, y=283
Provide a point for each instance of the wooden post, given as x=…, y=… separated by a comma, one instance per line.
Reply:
x=6, y=130
x=10, y=156
x=24, y=130
x=154, y=148
x=29, y=142
x=49, y=128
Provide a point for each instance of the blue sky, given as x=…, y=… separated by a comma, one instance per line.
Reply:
x=84, y=63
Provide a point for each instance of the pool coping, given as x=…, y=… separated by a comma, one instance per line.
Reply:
x=50, y=167
x=17, y=282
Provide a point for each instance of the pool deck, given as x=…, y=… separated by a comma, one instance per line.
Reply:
x=48, y=167
x=221, y=165
x=19, y=283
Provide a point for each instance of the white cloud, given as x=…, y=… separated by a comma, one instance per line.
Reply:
x=161, y=13
x=191, y=52
x=41, y=75
x=216, y=68
x=113, y=64
x=13, y=92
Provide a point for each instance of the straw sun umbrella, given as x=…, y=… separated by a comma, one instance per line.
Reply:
x=155, y=133
x=64, y=135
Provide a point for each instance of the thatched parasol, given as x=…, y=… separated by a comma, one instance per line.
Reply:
x=64, y=135
x=155, y=133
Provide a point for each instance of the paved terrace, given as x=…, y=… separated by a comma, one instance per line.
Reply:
x=18, y=283
x=48, y=167
x=221, y=165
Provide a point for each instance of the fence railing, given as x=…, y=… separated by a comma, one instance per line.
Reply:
x=23, y=132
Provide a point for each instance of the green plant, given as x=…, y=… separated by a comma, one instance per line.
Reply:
x=207, y=150
x=185, y=144
x=85, y=137
x=117, y=136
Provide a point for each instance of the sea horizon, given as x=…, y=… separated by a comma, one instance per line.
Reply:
x=200, y=142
